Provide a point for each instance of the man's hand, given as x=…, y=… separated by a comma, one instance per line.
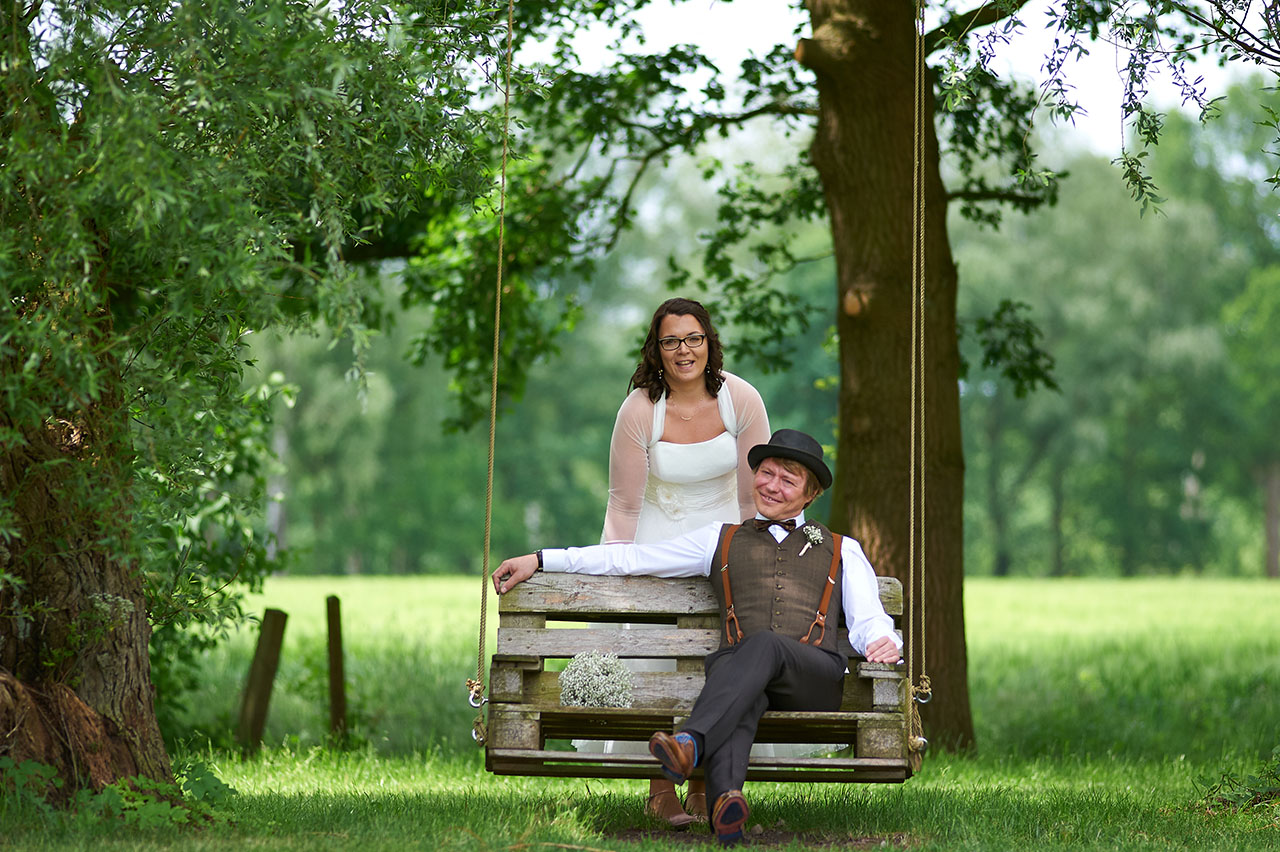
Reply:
x=883, y=650
x=512, y=572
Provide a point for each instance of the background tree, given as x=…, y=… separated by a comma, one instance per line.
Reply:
x=1098, y=473
x=1249, y=327
x=177, y=177
x=1145, y=462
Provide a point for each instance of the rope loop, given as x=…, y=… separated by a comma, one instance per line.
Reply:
x=922, y=692
x=476, y=690
x=917, y=745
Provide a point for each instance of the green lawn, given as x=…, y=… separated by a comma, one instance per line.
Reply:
x=1097, y=703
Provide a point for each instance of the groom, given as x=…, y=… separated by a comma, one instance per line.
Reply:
x=779, y=580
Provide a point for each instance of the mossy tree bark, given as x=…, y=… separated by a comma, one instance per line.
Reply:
x=75, y=681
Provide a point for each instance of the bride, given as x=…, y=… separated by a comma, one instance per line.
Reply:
x=678, y=461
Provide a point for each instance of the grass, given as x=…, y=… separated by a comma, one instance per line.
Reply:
x=410, y=644
x=1098, y=703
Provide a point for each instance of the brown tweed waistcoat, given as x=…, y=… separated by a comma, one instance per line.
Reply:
x=774, y=587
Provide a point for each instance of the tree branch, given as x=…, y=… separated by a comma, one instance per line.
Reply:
x=994, y=195
x=697, y=128
x=1039, y=448
x=714, y=120
x=958, y=26
x=812, y=54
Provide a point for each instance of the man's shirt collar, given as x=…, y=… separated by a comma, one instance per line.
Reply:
x=799, y=519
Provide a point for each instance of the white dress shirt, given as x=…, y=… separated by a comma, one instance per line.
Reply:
x=691, y=555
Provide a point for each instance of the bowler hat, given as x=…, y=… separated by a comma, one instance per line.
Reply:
x=797, y=446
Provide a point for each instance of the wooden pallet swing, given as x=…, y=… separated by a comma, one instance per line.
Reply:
x=877, y=719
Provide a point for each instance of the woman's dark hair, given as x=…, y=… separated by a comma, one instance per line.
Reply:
x=648, y=374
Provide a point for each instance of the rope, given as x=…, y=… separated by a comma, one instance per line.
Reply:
x=476, y=686
x=922, y=691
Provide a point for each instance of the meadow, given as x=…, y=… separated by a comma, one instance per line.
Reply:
x=1101, y=708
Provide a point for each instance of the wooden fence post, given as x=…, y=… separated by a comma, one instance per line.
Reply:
x=262, y=676
x=337, y=679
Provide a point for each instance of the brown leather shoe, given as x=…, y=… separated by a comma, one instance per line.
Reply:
x=675, y=755
x=666, y=806
x=730, y=816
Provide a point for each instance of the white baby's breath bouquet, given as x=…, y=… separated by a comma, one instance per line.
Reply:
x=595, y=679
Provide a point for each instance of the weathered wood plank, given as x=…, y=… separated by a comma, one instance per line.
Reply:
x=506, y=683
x=884, y=670
x=679, y=689
x=630, y=759
x=881, y=741
x=586, y=598
x=582, y=765
x=639, y=723
x=522, y=619
x=514, y=729
x=655, y=641
x=886, y=693
x=581, y=597
x=651, y=641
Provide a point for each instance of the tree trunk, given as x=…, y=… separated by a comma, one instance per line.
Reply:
x=863, y=54
x=1271, y=488
x=75, y=676
x=1057, y=516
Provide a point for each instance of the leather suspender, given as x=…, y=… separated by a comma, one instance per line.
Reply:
x=820, y=619
x=728, y=595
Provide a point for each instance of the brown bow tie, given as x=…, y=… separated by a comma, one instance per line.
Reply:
x=764, y=523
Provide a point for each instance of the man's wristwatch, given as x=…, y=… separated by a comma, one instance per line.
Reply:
x=539, y=555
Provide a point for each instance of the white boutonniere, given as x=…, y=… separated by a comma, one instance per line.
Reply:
x=815, y=537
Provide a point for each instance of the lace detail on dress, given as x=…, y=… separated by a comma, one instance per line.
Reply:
x=679, y=500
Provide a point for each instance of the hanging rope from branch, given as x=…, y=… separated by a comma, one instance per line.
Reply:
x=475, y=686
x=921, y=691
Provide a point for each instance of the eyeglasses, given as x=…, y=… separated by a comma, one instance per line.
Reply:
x=671, y=344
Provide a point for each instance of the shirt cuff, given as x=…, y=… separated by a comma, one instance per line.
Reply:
x=554, y=559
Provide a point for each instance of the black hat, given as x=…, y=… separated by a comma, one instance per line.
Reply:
x=794, y=445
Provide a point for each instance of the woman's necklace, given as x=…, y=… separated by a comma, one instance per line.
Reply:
x=696, y=407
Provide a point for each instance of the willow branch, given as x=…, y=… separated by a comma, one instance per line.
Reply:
x=958, y=26
x=1253, y=45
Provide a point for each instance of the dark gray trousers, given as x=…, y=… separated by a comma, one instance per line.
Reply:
x=765, y=671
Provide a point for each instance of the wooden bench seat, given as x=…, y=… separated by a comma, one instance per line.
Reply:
x=552, y=617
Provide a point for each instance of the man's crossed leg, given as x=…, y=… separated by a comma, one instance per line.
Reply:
x=764, y=671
